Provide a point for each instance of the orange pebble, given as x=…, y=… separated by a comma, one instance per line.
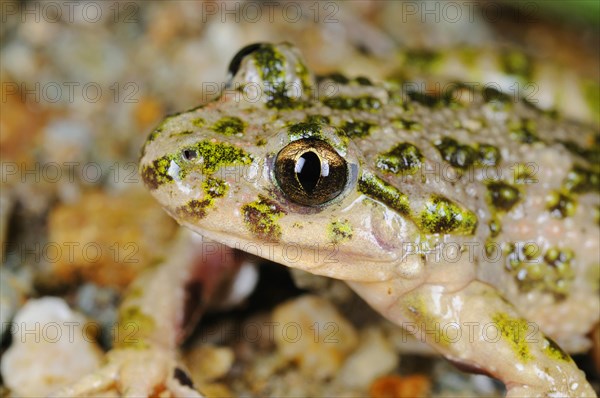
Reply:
x=148, y=112
x=400, y=386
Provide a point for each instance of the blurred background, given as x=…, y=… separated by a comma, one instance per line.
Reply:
x=82, y=85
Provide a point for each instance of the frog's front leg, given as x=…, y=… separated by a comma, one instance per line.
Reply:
x=479, y=328
x=156, y=314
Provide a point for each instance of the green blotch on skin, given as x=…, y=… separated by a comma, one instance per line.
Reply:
x=580, y=180
x=363, y=81
x=461, y=94
x=357, y=129
x=194, y=209
x=404, y=158
x=468, y=55
x=524, y=174
x=518, y=64
x=560, y=205
x=591, y=92
x=304, y=75
x=197, y=208
x=282, y=101
x=560, y=274
x=198, y=122
x=491, y=248
x=514, y=332
x=554, y=351
x=523, y=259
x=492, y=95
x=318, y=119
x=397, y=97
x=377, y=189
x=304, y=130
x=428, y=100
x=155, y=174
x=229, y=125
x=423, y=60
x=182, y=133
x=558, y=258
x=261, y=141
x=418, y=311
x=314, y=130
x=364, y=103
x=407, y=124
x=261, y=218
x=155, y=133
x=551, y=273
x=339, y=78
x=458, y=155
x=503, y=196
x=271, y=64
x=160, y=128
x=335, y=77
x=495, y=227
x=340, y=231
x=214, y=187
x=489, y=155
x=135, y=327
x=272, y=68
x=214, y=155
x=441, y=216
x=524, y=131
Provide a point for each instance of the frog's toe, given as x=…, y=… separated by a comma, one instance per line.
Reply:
x=574, y=389
x=100, y=380
x=135, y=373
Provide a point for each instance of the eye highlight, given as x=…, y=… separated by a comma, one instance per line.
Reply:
x=310, y=172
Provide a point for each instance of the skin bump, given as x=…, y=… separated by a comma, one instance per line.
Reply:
x=440, y=215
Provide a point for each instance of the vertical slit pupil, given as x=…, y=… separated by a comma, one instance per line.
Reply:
x=310, y=173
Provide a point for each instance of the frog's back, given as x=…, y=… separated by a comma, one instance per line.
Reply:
x=530, y=179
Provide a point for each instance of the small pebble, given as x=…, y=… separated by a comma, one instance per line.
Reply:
x=50, y=349
x=374, y=357
x=395, y=386
x=98, y=239
x=207, y=363
x=311, y=332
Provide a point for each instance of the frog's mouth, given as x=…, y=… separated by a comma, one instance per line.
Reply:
x=348, y=265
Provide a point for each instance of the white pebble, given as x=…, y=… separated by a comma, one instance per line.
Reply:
x=311, y=332
x=373, y=358
x=49, y=349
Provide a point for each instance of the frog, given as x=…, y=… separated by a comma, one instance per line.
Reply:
x=468, y=218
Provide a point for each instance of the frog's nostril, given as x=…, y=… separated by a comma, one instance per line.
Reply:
x=235, y=63
x=189, y=154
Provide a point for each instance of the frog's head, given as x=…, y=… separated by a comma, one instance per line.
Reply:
x=261, y=170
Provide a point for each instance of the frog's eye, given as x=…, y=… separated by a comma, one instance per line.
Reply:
x=310, y=172
x=189, y=154
x=235, y=63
